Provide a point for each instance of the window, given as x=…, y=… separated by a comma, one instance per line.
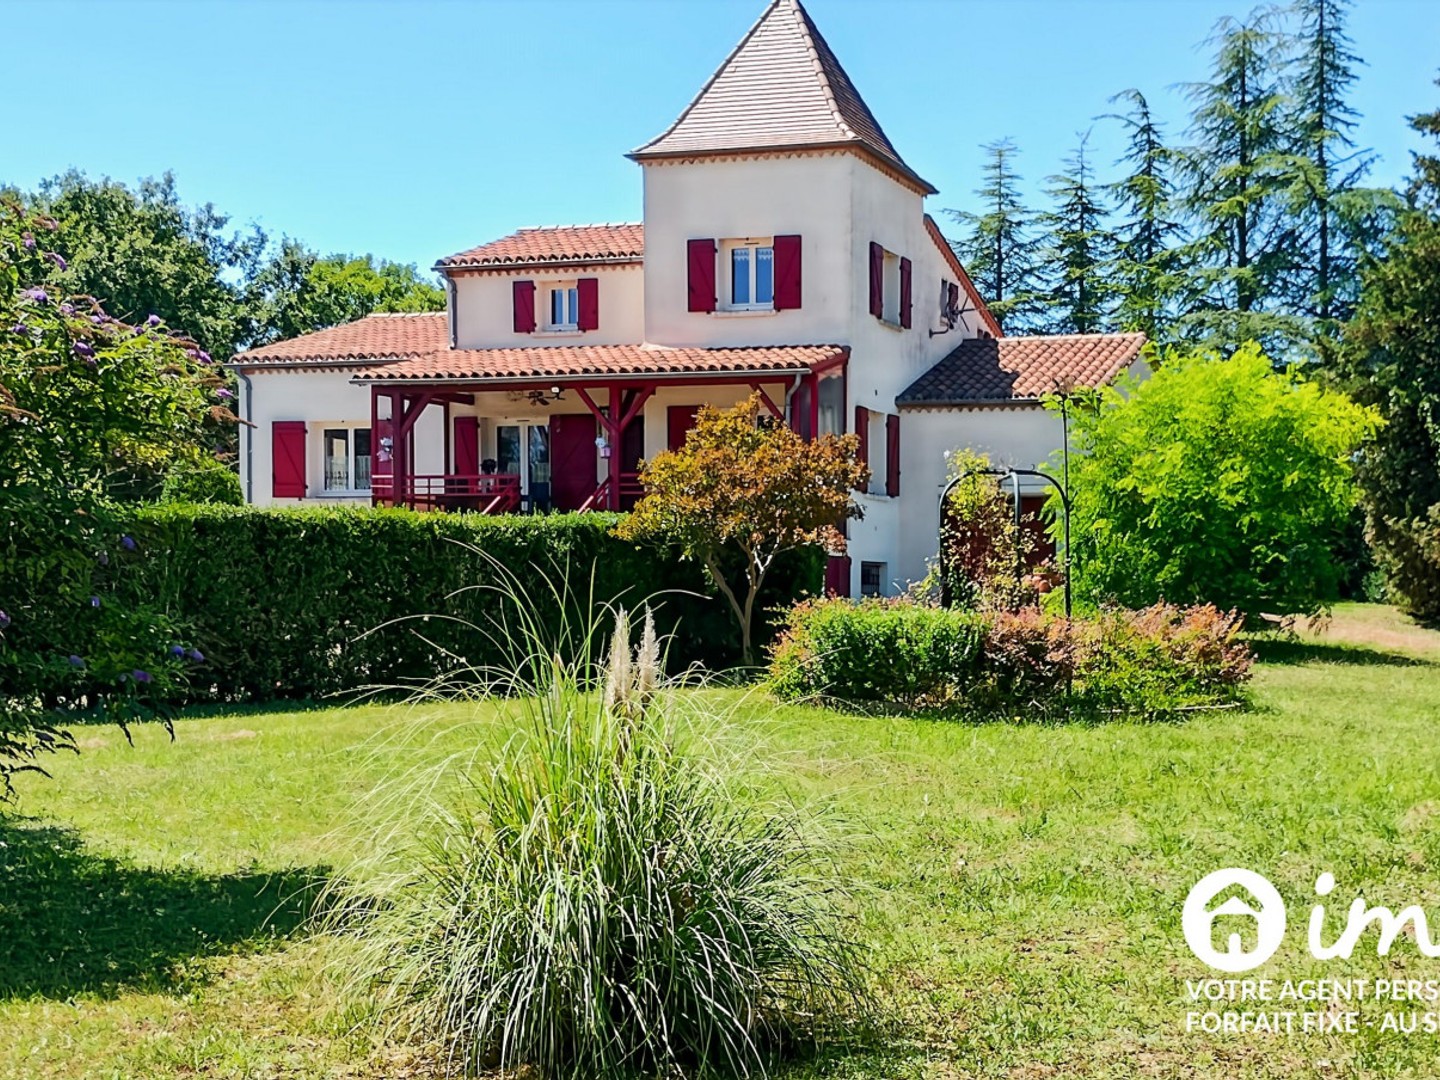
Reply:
x=892, y=288
x=346, y=461
x=872, y=579
x=832, y=405
x=750, y=274
x=564, y=307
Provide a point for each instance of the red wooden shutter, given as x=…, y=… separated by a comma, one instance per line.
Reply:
x=287, y=459
x=787, y=272
x=467, y=445
x=892, y=455
x=877, y=280
x=905, y=275
x=953, y=297
x=524, y=293
x=679, y=419
x=588, y=290
x=862, y=429
x=837, y=575
x=700, y=257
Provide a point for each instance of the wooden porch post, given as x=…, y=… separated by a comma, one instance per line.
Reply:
x=616, y=437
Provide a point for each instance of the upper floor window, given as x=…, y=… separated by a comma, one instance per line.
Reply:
x=751, y=274
x=346, y=461
x=564, y=307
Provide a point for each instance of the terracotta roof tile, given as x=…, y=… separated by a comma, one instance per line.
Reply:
x=555, y=244
x=563, y=361
x=782, y=86
x=375, y=337
x=984, y=370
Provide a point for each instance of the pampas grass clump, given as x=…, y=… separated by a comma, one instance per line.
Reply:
x=594, y=904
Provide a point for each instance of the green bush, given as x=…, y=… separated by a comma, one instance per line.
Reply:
x=596, y=903
x=302, y=603
x=1152, y=661
x=876, y=651
x=1215, y=481
x=204, y=480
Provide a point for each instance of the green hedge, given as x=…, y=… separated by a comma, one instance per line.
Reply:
x=304, y=603
x=899, y=653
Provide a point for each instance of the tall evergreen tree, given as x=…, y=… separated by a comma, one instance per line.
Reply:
x=1392, y=358
x=1338, y=221
x=1148, y=270
x=1243, y=230
x=1000, y=249
x=1078, y=248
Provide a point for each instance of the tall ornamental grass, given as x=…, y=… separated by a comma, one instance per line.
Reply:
x=595, y=903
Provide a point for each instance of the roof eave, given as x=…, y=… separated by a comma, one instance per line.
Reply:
x=922, y=185
x=569, y=380
x=966, y=403
x=446, y=267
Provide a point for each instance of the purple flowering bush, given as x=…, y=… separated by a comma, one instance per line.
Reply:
x=93, y=412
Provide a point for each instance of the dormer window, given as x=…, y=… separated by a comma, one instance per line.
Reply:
x=751, y=265
x=564, y=307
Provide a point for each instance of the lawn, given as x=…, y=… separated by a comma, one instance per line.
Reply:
x=1019, y=887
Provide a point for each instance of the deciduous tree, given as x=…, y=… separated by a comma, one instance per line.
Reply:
x=1215, y=481
x=740, y=484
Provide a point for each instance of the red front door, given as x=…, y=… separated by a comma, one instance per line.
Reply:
x=572, y=459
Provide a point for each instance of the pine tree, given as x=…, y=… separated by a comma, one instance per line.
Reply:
x=1077, y=249
x=1000, y=250
x=1338, y=220
x=1148, y=270
x=1244, y=235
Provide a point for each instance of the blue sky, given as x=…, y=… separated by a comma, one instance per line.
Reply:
x=414, y=130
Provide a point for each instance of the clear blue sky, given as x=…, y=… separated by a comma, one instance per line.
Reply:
x=414, y=130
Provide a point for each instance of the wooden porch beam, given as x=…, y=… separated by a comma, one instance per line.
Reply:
x=775, y=411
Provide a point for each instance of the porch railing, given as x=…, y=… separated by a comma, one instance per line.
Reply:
x=630, y=491
x=485, y=493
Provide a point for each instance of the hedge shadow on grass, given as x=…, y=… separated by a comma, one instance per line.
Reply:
x=74, y=921
x=1292, y=651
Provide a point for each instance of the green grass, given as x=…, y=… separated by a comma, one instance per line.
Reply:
x=1020, y=886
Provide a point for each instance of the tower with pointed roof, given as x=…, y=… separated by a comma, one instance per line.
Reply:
x=785, y=250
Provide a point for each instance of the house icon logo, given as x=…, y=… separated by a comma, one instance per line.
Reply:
x=1198, y=919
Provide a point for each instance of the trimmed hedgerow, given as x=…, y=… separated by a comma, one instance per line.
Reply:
x=303, y=603
x=1153, y=661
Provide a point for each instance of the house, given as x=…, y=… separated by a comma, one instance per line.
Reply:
x=785, y=249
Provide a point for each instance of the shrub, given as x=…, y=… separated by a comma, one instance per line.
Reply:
x=205, y=480
x=1152, y=661
x=598, y=904
x=876, y=651
x=1215, y=481
x=301, y=603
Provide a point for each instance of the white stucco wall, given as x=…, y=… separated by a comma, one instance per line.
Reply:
x=808, y=195
x=1012, y=436
x=485, y=312
x=321, y=399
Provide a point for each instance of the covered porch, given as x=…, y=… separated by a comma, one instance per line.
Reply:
x=565, y=442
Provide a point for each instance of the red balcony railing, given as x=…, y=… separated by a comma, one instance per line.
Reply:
x=488, y=493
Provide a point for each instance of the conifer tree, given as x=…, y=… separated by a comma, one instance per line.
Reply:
x=1244, y=235
x=1338, y=220
x=1078, y=248
x=1148, y=270
x=1000, y=249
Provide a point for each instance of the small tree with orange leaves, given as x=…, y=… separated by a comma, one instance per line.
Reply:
x=753, y=488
